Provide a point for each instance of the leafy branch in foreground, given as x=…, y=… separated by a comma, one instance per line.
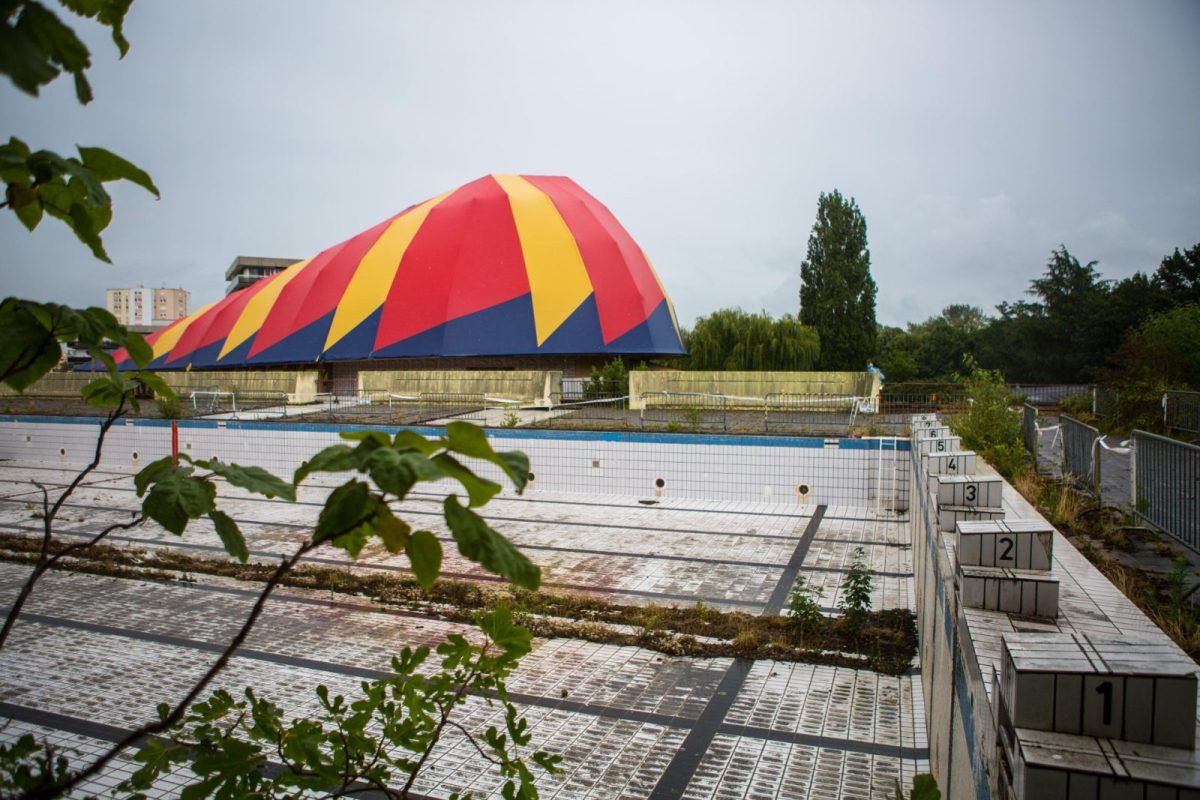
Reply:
x=383, y=735
x=36, y=46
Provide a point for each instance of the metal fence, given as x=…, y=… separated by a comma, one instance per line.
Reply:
x=922, y=398
x=1048, y=395
x=685, y=410
x=1181, y=412
x=1029, y=430
x=1166, y=485
x=787, y=410
x=1081, y=453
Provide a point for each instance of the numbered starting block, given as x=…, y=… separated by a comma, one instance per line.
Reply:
x=1030, y=594
x=1015, y=544
x=954, y=462
x=923, y=421
x=950, y=516
x=947, y=444
x=935, y=432
x=969, y=490
x=1109, y=687
x=1039, y=765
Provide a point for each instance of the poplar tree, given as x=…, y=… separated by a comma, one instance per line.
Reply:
x=837, y=294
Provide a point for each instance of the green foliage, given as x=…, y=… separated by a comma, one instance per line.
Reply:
x=36, y=46
x=988, y=427
x=32, y=336
x=608, y=381
x=837, y=293
x=1163, y=352
x=805, y=613
x=378, y=739
x=731, y=339
x=932, y=349
x=26, y=764
x=924, y=788
x=855, y=599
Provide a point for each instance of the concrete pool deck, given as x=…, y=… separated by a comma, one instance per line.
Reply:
x=631, y=723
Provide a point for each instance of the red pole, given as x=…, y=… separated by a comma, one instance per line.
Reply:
x=175, y=442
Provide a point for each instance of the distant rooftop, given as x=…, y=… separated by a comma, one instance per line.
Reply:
x=245, y=270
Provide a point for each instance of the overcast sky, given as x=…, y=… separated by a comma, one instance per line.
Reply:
x=975, y=139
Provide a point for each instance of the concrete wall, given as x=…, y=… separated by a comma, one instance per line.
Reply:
x=55, y=384
x=523, y=385
x=752, y=385
x=292, y=382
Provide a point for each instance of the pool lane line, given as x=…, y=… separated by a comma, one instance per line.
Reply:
x=679, y=773
x=488, y=517
x=467, y=576
x=532, y=700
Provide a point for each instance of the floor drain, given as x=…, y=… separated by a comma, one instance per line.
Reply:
x=648, y=502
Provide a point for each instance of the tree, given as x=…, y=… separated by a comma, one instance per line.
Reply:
x=731, y=339
x=1179, y=276
x=837, y=293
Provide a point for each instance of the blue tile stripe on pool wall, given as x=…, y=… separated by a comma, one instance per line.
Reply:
x=898, y=444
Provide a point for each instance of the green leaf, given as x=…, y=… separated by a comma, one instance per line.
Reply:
x=23, y=61
x=177, y=497
x=425, y=554
x=252, y=479
x=392, y=530
x=376, y=437
x=347, y=506
x=480, y=490
x=478, y=542
x=925, y=788
x=231, y=535
x=155, y=384
x=152, y=472
x=29, y=346
x=106, y=392
x=335, y=458
x=469, y=440
x=108, y=166
x=141, y=353
x=26, y=205
x=410, y=440
x=499, y=627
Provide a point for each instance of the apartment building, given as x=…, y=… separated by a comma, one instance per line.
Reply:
x=147, y=307
x=245, y=270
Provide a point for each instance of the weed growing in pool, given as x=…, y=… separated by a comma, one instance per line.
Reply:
x=805, y=613
x=855, y=601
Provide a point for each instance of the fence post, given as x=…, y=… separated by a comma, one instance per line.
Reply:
x=1096, y=468
x=1133, y=470
x=175, y=442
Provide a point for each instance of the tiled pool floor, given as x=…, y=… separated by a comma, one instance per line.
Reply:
x=92, y=655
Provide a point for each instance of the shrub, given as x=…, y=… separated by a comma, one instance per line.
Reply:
x=988, y=427
x=855, y=601
x=806, y=614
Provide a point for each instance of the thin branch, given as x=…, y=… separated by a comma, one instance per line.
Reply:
x=437, y=732
x=48, y=514
x=471, y=739
x=176, y=714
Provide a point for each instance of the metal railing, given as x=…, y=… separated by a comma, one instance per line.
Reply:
x=685, y=410
x=1048, y=395
x=573, y=408
x=785, y=409
x=1081, y=453
x=1029, y=430
x=922, y=398
x=1181, y=411
x=1166, y=485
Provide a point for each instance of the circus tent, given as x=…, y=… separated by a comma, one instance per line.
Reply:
x=507, y=265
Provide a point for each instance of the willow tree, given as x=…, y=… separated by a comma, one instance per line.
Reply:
x=731, y=339
x=837, y=294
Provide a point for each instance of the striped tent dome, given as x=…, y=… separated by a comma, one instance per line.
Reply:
x=505, y=265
